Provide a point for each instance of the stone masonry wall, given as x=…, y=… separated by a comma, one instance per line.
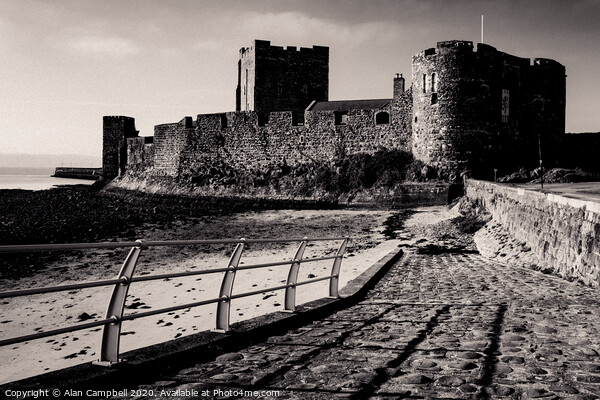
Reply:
x=237, y=140
x=140, y=153
x=115, y=131
x=564, y=233
x=170, y=142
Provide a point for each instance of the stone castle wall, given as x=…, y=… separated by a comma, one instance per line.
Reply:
x=564, y=233
x=240, y=141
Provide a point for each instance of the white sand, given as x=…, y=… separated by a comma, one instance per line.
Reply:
x=24, y=315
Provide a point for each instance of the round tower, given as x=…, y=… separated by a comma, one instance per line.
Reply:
x=452, y=109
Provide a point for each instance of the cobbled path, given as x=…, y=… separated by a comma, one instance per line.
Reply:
x=452, y=326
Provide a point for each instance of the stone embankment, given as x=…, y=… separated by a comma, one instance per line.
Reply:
x=445, y=322
x=562, y=233
x=78, y=173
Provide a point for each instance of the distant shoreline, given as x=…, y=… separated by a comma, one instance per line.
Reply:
x=36, y=181
x=45, y=171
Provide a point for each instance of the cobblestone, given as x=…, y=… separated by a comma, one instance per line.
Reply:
x=448, y=325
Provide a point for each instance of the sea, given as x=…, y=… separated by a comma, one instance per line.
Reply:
x=34, y=179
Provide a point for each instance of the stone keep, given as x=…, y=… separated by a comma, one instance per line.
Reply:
x=273, y=78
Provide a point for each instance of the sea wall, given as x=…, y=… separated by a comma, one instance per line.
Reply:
x=563, y=232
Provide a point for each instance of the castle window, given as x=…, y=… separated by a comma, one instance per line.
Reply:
x=382, y=118
x=263, y=119
x=434, y=82
x=224, y=122
x=305, y=88
x=341, y=117
x=297, y=118
x=434, y=98
x=424, y=83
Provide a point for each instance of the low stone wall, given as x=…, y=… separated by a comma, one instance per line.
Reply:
x=77, y=173
x=564, y=233
x=410, y=194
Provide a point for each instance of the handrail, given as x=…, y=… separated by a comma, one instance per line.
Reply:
x=107, y=282
x=109, y=353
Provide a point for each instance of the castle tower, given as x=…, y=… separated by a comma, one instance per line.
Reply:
x=116, y=130
x=477, y=110
x=272, y=78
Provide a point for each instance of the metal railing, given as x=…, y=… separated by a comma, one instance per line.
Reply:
x=109, y=353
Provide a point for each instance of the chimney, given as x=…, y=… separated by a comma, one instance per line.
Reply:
x=398, y=85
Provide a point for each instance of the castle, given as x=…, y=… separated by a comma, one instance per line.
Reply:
x=468, y=110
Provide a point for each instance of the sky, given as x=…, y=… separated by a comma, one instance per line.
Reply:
x=66, y=63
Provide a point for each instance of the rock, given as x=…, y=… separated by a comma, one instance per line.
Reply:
x=225, y=377
x=537, y=393
x=466, y=366
x=469, y=355
x=413, y=379
x=453, y=381
x=424, y=364
x=225, y=358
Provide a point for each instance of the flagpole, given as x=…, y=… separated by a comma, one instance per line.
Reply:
x=481, y=28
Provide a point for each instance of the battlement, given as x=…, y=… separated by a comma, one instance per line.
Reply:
x=117, y=117
x=274, y=78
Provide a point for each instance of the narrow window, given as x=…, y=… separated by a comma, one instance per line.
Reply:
x=424, y=83
x=382, y=118
x=297, y=118
x=263, y=119
x=434, y=82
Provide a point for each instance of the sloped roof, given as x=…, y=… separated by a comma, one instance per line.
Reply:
x=345, y=105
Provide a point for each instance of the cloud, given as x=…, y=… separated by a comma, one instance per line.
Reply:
x=102, y=45
x=299, y=29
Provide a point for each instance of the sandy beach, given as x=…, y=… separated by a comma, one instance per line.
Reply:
x=24, y=315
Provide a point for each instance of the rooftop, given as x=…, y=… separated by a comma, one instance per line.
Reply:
x=345, y=105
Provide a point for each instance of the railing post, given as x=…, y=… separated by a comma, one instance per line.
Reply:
x=109, y=351
x=335, y=271
x=223, y=306
x=290, y=291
